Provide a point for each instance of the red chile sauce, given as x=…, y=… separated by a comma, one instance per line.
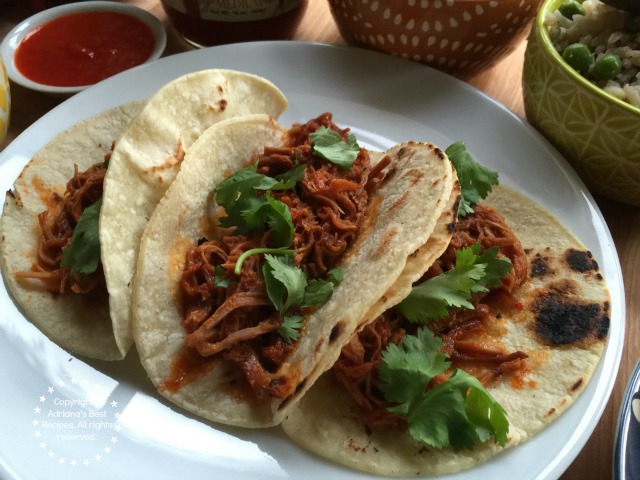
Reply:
x=83, y=48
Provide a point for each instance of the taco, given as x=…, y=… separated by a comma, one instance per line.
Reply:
x=420, y=391
x=266, y=253
x=67, y=250
x=147, y=158
x=38, y=220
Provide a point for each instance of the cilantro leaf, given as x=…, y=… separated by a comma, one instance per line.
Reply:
x=488, y=415
x=416, y=359
x=266, y=211
x=290, y=327
x=289, y=179
x=336, y=276
x=219, y=280
x=285, y=282
x=329, y=145
x=439, y=418
x=229, y=190
x=319, y=291
x=458, y=412
x=497, y=267
x=475, y=180
x=249, y=212
x=433, y=298
x=82, y=255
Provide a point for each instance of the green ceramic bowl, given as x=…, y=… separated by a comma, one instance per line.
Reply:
x=597, y=133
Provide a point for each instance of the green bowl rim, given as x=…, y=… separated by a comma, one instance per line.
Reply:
x=547, y=44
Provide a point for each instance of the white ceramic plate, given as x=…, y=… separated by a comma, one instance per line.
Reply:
x=130, y=432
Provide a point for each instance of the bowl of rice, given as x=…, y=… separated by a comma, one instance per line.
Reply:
x=581, y=89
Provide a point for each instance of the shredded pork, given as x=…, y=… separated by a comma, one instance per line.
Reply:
x=460, y=332
x=57, y=225
x=237, y=322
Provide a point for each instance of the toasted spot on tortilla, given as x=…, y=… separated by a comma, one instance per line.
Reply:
x=283, y=405
x=336, y=331
x=562, y=322
x=577, y=385
x=580, y=260
x=386, y=243
x=540, y=266
x=171, y=162
x=414, y=176
x=603, y=328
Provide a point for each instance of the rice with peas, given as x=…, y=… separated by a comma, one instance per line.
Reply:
x=601, y=29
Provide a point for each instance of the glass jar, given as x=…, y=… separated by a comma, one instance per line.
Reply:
x=215, y=22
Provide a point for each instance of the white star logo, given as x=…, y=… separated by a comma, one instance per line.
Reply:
x=116, y=415
x=73, y=463
x=114, y=404
x=86, y=462
x=61, y=383
x=51, y=389
x=117, y=428
x=43, y=399
x=34, y=422
x=61, y=460
x=107, y=449
x=43, y=445
x=74, y=381
x=97, y=457
x=114, y=439
x=37, y=434
x=51, y=454
x=36, y=410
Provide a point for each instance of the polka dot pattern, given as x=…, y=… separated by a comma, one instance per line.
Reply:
x=461, y=37
x=5, y=101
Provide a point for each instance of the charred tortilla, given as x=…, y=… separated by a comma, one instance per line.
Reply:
x=418, y=197
x=79, y=323
x=561, y=323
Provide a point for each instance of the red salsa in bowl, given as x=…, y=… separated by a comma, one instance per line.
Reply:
x=83, y=48
x=67, y=48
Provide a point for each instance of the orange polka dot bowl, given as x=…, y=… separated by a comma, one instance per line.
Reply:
x=460, y=37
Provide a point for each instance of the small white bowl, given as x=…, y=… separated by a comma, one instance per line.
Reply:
x=12, y=40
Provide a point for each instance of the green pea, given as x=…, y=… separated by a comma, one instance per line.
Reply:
x=578, y=56
x=607, y=67
x=632, y=24
x=569, y=8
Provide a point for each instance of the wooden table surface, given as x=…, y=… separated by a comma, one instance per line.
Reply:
x=503, y=83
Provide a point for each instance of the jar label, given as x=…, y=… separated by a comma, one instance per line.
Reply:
x=233, y=10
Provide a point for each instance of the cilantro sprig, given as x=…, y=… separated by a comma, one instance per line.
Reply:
x=249, y=212
x=473, y=272
x=458, y=412
x=475, y=180
x=82, y=255
x=329, y=145
x=288, y=289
